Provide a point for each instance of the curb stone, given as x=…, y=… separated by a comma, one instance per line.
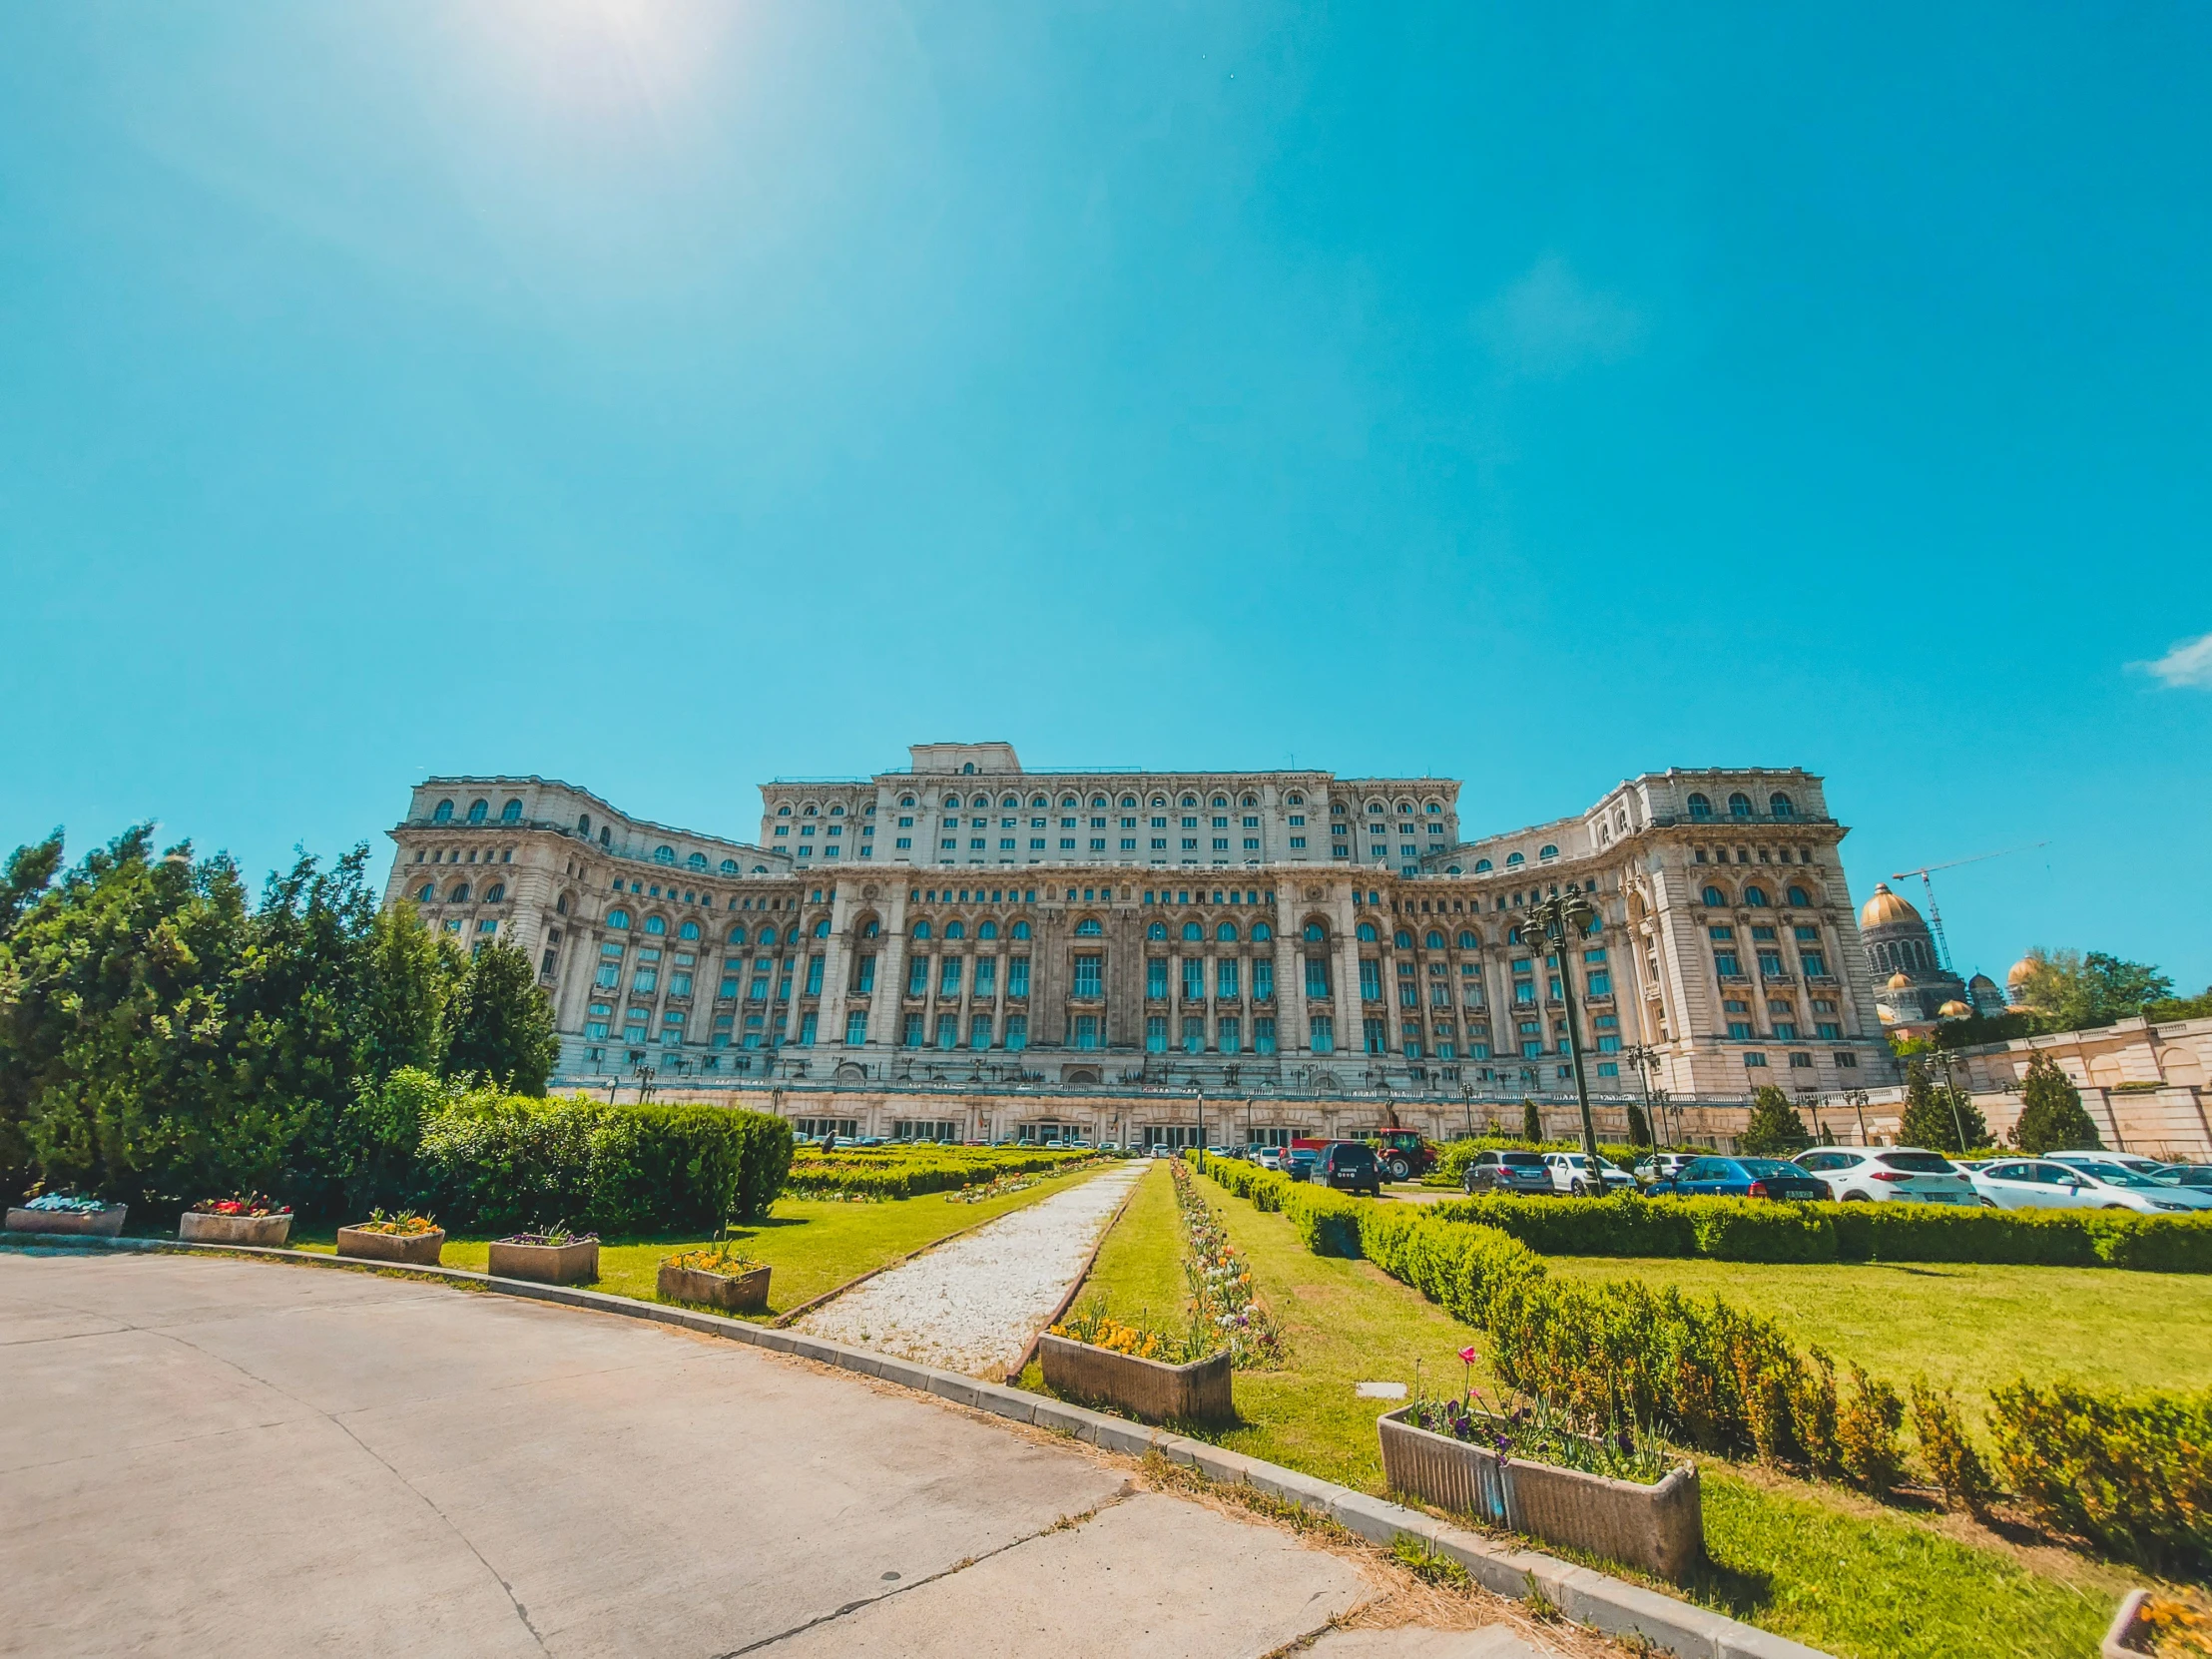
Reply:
x=1606, y=1604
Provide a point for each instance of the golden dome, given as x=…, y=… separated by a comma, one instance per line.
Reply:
x=1897, y=982
x=1886, y=909
x=2018, y=971
x=1954, y=1009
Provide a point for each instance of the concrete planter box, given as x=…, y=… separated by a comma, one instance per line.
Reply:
x=96, y=1224
x=563, y=1264
x=734, y=1292
x=1146, y=1389
x=199, y=1227
x=1659, y=1528
x=416, y=1250
x=2129, y=1637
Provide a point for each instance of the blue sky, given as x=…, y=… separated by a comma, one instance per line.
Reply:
x=665, y=398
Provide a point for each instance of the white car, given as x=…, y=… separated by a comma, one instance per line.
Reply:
x=1570, y=1173
x=1863, y=1174
x=1268, y=1156
x=2113, y=1186
x=2148, y=1167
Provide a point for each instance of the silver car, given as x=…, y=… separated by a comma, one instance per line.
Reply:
x=1877, y=1174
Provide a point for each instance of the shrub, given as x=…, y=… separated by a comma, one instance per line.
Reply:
x=1813, y=1412
x=1760, y=1229
x=1775, y=1126
x=1533, y=1121
x=901, y=1173
x=2133, y=1477
x=1867, y=1432
x=2051, y=1115
x=1620, y=1226
x=1947, y=1448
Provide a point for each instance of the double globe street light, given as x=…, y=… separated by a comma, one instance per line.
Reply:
x=1557, y=923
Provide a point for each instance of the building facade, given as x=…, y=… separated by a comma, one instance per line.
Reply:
x=1291, y=934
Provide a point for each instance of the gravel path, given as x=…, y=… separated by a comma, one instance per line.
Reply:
x=973, y=1305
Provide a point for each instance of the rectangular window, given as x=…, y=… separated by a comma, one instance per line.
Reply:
x=643, y=980
x=758, y=991
x=1440, y=995
x=1478, y=1051
x=813, y=976
x=855, y=1030
x=1724, y=965
x=1156, y=1034
x=917, y=976
x=596, y=1030
x=1194, y=1035
x=1316, y=978
x=1086, y=1031
x=1370, y=979
x=608, y=977
x=1830, y=1032
x=1371, y=1031
x=948, y=1030
x=1017, y=978
x=1018, y=1032
x=1408, y=994
x=1225, y=979
x=1770, y=964
x=979, y=1031
x=1755, y=1060
x=1408, y=1040
x=1229, y=1037
x=806, y=1029
x=1720, y=932
x=1815, y=965
x=1298, y=843
x=909, y=1032
x=679, y=984
x=1194, y=979
x=1738, y=1028
x=1067, y=844
x=1156, y=977
x=1784, y=1030
x=987, y=977
x=1262, y=1035
x=1088, y=979
x=1262, y=980
x=1609, y=1045
x=864, y=975
x=1531, y=1050
x=1601, y=984
x=948, y=975
x=1524, y=990
x=729, y=988
x=1321, y=1033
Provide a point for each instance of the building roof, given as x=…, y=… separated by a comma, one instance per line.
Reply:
x=1885, y=909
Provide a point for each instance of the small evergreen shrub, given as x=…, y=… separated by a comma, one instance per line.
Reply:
x=2131, y=1475
x=1947, y=1450
x=1867, y=1426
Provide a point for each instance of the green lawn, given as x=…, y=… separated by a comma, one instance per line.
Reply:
x=1820, y=1566
x=1970, y=1327
x=814, y=1245
x=1139, y=1265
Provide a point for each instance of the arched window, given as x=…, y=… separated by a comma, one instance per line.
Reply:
x=785, y=812
x=921, y=929
x=560, y=905
x=1294, y=799
x=1226, y=932
x=812, y=810
x=1481, y=866
x=1221, y=800
x=606, y=836
x=736, y=934
x=1067, y=800
x=697, y=860
x=1190, y=800
x=618, y=918
x=768, y=935
x=656, y=925
x=1374, y=805
x=663, y=854
x=426, y=893
x=1365, y=933
x=1088, y=929
x=968, y=766
x=956, y=930
x=1262, y=932
x=951, y=800
x=908, y=800
x=1452, y=870
x=478, y=810
x=1781, y=806
x=459, y=895
x=1739, y=806
x=1403, y=940
x=1513, y=861
x=1798, y=898
x=1547, y=852
x=690, y=930
x=1157, y=930
x=443, y=814
x=1126, y=801
x=1469, y=940
x=837, y=812
x=1020, y=931
x=1715, y=897
x=495, y=892
x=871, y=928
x=1699, y=808
x=511, y=812
x=1432, y=940
x=1432, y=810
x=1192, y=930
x=822, y=928
x=986, y=929
x=1755, y=896
x=729, y=866
x=583, y=824
x=1315, y=932
x=1098, y=800
x=1513, y=935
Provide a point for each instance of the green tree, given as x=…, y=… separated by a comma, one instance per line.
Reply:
x=1775, y=1126
x=1532, y=1122
x=1936, y=1115
x=1639, y=1130
x=2072, y=991
x=2053, y=1117
x=500, y=1024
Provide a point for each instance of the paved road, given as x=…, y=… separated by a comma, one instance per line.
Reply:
x=202, y=1456
x=974, y=1303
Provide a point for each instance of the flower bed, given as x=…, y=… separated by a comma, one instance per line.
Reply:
x=1152, y=1375
x=715, y=1277
x=1221, y=1281
x=408, y=1238
x=67, y=1215
x=252, y=1220
x=552, y=1257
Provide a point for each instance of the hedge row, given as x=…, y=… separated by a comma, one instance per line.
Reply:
x=498, y=1162
x=1761, y=1230
x=2132, y=1476
x=1457, y=1155
x=907, y=1176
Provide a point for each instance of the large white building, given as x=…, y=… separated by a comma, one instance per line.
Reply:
x=1293, y=934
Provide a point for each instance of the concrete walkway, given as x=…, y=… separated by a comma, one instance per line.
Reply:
x=205, y=1456
x=973, y=1305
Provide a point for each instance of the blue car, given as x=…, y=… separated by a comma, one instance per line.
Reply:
x=1741, y=1178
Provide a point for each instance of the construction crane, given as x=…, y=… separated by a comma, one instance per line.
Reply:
x=1935, y=917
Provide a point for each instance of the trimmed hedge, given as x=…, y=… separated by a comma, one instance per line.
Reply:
x=2133, y=1477
x=498, y=1162
x=1761, y=1230
x=909, y=1175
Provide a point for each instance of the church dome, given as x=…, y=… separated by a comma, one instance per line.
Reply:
x=2018, y=971
x=1897, y=982
x=1953, y=1009
x=1981, y=981
x=1885, y=909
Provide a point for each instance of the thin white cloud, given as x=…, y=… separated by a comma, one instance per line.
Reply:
x=2187, y=664
x=1549, y=323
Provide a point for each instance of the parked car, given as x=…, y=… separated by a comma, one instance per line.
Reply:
x=1863, y=1174
x=2186, y=1175
x=1298, y=1163
x=1267, y=1157
x=1351, y=1165
x=1506, y=1172
x=1161, y=1149
x=1717, y=1177
x=2113, y=1186
x=1655, y=1167
x=1570, y=1173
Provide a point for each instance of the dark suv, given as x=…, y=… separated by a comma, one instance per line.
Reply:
x=1351, y=1164
x=1507, y=1172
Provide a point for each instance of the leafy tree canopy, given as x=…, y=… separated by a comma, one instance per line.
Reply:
x=1938, y=1118
x=2072, y=991
x=2053, y=1117
x=1775, y=1124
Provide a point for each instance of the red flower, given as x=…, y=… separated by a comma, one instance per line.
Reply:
x=1466, y=1354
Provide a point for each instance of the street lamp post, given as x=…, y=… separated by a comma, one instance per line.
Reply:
x=1951, y=1096
x=1644, y=1057
x=1467, y=1090
x=1570, y=918
x=1857, y=1101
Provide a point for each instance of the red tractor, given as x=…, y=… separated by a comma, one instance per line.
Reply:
x=1403, y=1152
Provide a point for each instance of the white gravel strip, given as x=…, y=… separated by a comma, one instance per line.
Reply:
x=973, y=1305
